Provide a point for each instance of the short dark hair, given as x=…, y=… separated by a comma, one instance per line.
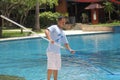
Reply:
x=61, y=17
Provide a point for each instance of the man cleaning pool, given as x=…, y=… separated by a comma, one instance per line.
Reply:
x=55, y=34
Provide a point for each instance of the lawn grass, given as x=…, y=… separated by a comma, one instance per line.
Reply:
x=115, y=23
x=7, y=77
x=9, y=33
x=16, y=33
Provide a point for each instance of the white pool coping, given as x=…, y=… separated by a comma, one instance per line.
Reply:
x=75, y=32
x=67, y=32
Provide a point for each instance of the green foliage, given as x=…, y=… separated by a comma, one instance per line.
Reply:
x=20, y=8
x=48, y=18
x=108, y=7
x=114, y=23
x=51, y=3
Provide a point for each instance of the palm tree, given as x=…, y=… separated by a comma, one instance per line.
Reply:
x=108, y=8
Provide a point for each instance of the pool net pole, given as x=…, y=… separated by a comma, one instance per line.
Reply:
x=28, y=30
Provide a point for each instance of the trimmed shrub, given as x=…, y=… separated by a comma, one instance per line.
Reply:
x=48, y=18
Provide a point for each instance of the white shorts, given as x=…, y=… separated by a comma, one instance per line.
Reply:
x=53, y=61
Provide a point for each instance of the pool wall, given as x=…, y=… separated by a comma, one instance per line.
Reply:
x=116, y=28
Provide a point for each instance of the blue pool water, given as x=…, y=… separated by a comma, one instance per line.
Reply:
x=97, y=58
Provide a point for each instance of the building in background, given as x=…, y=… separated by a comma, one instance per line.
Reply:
x=77, y=12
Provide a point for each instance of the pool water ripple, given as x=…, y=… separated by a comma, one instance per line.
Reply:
x=97, y=58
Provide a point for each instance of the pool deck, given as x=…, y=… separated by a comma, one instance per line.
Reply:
x=67, y=32
x=77, y=32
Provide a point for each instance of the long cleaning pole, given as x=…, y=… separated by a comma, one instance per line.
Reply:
x=28, y=30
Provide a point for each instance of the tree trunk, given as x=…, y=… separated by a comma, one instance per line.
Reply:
x=110, y=20
x=37, y=23
x=0, y=26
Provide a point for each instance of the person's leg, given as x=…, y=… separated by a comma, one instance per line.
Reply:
x=49, y=73
x=55, y=72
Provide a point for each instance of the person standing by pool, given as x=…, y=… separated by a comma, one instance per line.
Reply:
x=55, y=34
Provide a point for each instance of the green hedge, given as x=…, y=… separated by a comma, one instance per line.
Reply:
x=48, y=18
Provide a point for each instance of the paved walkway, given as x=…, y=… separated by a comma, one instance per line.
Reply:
x=75, y=32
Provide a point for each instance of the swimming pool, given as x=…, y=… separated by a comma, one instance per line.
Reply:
x=97, y=58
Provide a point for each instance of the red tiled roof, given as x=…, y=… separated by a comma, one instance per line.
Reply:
x=87, y=0
x=115, y=1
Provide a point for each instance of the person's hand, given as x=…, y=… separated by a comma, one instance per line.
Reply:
x=72, y=51
x=52, y=42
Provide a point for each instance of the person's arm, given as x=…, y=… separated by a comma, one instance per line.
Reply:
x=68, y=47
x=47, y=33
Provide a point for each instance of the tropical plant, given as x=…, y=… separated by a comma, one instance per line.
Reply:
x=38, y=3
x=20, y=8
x=48, y=18
x=108, y=8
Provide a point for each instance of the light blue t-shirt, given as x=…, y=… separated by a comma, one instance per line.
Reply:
x=58, y=36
